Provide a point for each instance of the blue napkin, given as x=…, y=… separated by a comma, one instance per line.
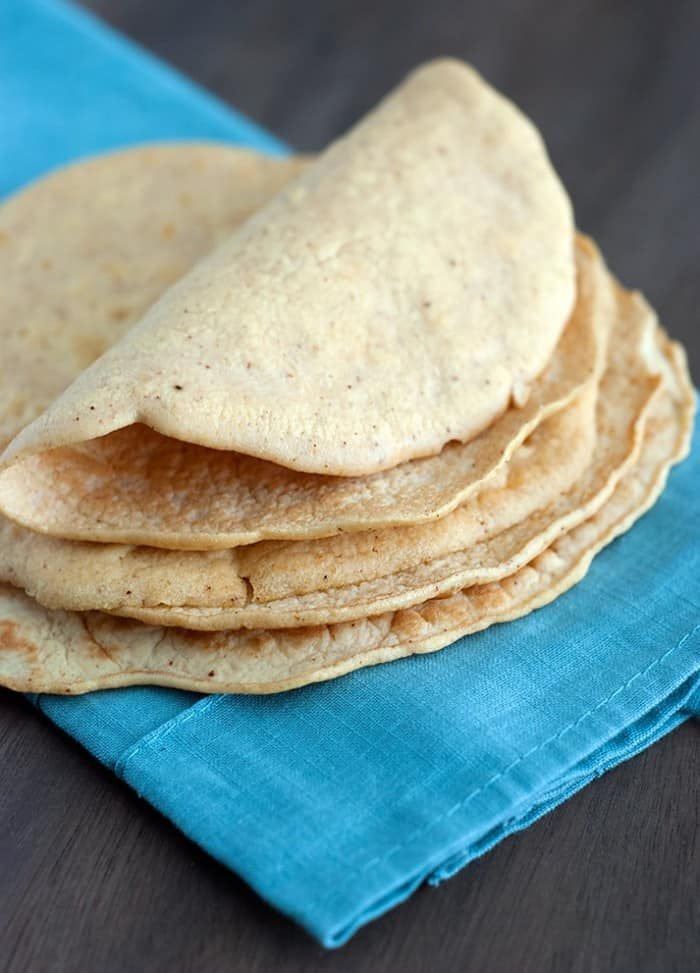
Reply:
x=336, y=801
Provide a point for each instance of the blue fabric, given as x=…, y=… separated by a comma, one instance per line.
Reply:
x=336, y=801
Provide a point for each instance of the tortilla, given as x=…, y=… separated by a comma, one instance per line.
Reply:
x=567, y=470
x=134, y=580
x=64, y=652
x=360, y=319
x=490, y=537
x=183, y=497
x=294, y=584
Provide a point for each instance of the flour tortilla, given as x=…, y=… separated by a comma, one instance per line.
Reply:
x=64, y=652
x=296, y=584
x=490, y=537
x=77, y=274
x=561, y=476
x=350, y=575
x=184, y=497
x=398, y=295
x=550, y=487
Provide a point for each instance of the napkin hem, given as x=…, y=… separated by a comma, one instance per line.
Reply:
x=165, y=729
x=472, y=847
x=634, y=702
x=507, y=773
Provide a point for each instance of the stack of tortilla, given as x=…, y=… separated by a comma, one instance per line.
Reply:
x=267, y=421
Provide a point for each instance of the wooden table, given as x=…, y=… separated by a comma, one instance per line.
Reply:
x=93, y=879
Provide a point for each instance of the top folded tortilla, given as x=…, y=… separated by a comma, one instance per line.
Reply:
x=78, y=271
x=398, y=295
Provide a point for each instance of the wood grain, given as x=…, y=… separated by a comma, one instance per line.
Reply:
x=90, y=877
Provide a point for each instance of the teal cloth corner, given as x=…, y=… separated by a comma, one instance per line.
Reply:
x=336, y=801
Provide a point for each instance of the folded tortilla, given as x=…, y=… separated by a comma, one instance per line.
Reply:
x=568, y=469
x=77, y=298
x=71, y=652
x=291, y=584
x=359, y=320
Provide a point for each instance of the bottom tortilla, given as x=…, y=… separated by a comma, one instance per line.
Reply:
x=74, y=652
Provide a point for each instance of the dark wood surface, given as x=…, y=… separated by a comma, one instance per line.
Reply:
x=90, y=877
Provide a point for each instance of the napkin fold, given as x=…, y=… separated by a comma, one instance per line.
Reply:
x=336, y=801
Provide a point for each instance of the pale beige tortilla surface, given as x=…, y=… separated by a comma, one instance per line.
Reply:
x=64, y=652
x=362, y=318
x=302, y=582
x=184, y=497
x=363, y=573
x=557, y=479
x=565, y=472
x=490, y=537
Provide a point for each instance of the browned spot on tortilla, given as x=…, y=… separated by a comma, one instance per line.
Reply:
x=11, y=640
x=409, y=622
x=96, y=647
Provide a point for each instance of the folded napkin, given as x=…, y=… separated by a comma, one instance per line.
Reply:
x=336, y=801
